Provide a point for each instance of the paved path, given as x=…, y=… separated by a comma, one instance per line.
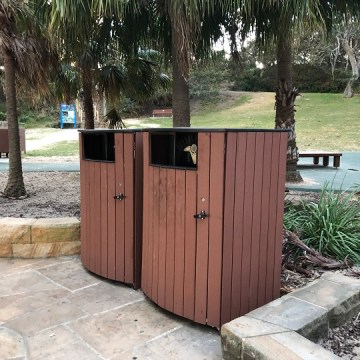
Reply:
x=54, y=309
x=346, y=176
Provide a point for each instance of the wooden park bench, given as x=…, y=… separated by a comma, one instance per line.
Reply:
x=4, y=141
x=162, y=113
x=325, y=156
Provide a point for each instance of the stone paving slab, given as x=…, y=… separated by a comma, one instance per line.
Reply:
x=55, y=309
x=295, y=314
x=282, y=329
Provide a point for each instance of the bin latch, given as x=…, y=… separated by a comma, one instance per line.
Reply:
x=201, y=216
x=120, y=196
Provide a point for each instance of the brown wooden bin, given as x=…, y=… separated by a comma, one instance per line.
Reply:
x=111, y=203
x=4, y=140
x=212, y=230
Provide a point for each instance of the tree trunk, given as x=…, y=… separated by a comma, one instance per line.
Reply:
x=348, y=92
x=180, y=84
x=285, y=104
x=86, y=75
x=15, y=187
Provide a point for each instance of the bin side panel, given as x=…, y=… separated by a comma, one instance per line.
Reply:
x=97, y=218
x=238, y=223
x=84, y=203
x=190, y=244
x=217, y=165
x=248, y=220
x=256, y=222
x=104, y=199
x=146, y=257
x=155, y=237
x=179, y=242
x=264, y=218
x=138, y=211
x=274, y=178
x=111, y=222
x=162, y=242
x=228, y=232
x=171, y=213
x=129, y=207
x=120, y=208
x=92, y=215
x=202, y=248
x=283, y=139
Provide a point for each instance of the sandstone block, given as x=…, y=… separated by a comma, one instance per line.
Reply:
x=5, y=250
x=46, y=249
x=284, y=346
x=307, y=319
x=15, y=230
x=234, y=332
x=53, y=230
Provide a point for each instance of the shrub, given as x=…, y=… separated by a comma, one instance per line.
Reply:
x=331, y=226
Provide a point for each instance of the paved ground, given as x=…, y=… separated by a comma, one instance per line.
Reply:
x=346, y=176
x=55, y=309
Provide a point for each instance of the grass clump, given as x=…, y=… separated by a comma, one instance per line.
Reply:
x=331, y=226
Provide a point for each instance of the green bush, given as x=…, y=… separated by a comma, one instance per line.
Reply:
x=2, y=116
x=331, y=226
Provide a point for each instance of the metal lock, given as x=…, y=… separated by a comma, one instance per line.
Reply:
x=120, y=197
x=201, y=216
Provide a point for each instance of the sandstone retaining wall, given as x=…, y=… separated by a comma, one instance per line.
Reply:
x=33, y=238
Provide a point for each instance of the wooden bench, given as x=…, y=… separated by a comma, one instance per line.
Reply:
x=4, y=141
x=162, y=113
x=325, y=155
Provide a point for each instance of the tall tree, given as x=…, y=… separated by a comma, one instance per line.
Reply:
x=27, y=55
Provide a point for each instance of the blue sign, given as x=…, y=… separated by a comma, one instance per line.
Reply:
x=67, y=115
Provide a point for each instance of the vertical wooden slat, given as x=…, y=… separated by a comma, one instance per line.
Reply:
x=129, y=207
x=120, y=209
x=264, y=217
x=179, y=242
x=92, y=216
x=146, y=257
x=190, y=245
x=155, y=239
x=274, y=175
x=104, y=199
x=97, y=210
x=111, y=222
x=202, y=240
x=151, y=231
x=248, y=219
x=280, y=212
x=171, y=213
x=138, y=212
x=236, y=289
x=162, y=243
x=228, y=230
x=256, y=220
x=84, y=197
x=217, y=164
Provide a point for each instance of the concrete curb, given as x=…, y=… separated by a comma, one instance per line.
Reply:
x=286, y=328
x=38, y=238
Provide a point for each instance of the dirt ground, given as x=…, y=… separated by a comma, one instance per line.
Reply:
x=57, y=194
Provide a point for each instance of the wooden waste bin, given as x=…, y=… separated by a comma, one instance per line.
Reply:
x=111, y=203
x=212, y=220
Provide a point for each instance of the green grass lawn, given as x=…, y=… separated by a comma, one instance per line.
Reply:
x=62, y=148
x=323, y=121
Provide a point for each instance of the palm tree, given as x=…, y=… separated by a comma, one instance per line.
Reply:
x=25, y=53
x=137, y=78
x=275, y=23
